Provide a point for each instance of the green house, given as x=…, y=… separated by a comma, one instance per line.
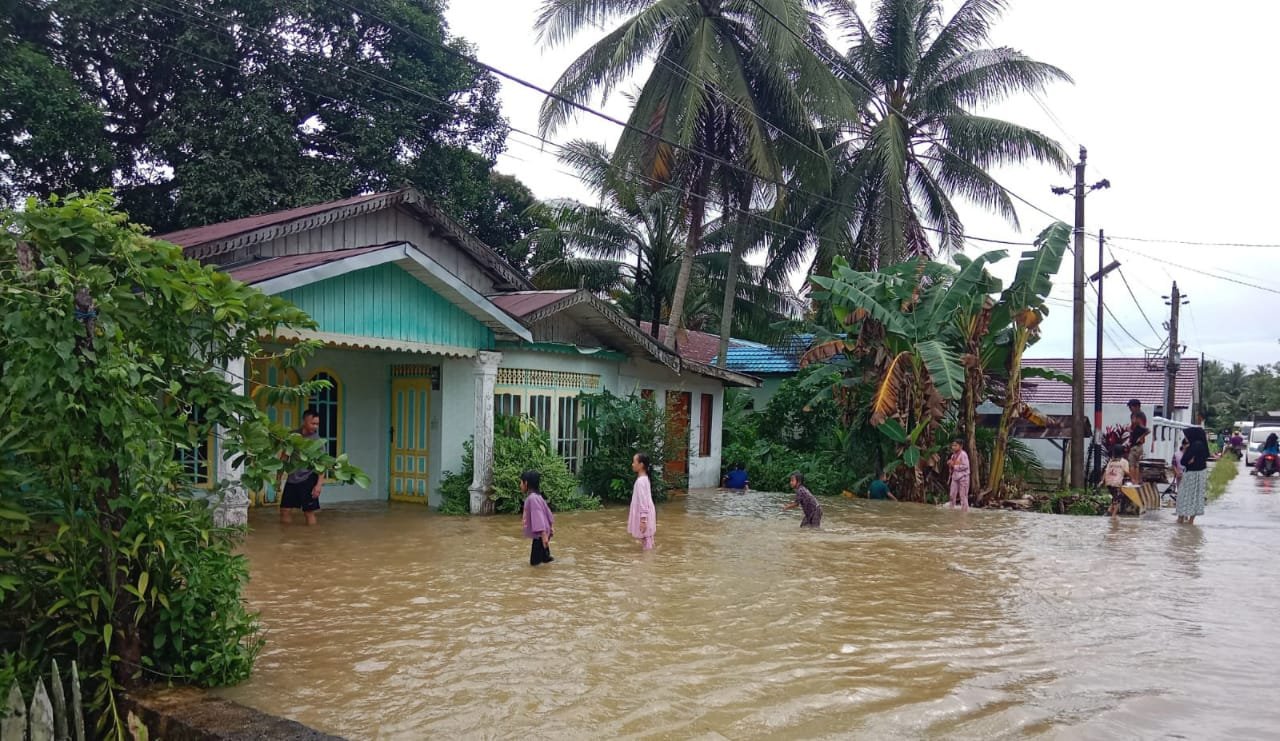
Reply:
x=428, y=333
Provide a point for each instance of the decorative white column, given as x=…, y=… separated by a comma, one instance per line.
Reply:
x=482, y=478
x=232, y=506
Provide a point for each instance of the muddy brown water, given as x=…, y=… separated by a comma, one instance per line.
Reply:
x=895, y=621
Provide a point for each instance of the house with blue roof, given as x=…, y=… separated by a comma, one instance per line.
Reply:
x=772, y=364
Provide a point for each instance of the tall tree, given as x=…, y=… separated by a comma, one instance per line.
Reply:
x=728, y=78
x=198, y=111
x=630, y=244
x=918, y=143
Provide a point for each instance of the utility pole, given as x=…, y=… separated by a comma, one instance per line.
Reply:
x=1097, y=361
x=1175, y=300
x=1077, y=356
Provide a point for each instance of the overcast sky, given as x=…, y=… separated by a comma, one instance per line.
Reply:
x=1174, y=101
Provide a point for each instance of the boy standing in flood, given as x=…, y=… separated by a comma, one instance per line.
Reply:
x=959, y=467
x=537, y=518
x=806, y=501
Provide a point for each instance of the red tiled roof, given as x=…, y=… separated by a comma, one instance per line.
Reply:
x=215, y=232
x=260, y=270
x=698, y=346
x=1122, y=379
x=522, y=303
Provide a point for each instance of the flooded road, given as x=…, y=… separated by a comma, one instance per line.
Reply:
x=894, y=621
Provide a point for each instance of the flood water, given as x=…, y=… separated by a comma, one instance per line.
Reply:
x=895, y=621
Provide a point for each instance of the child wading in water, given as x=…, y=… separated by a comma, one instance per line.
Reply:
x=1113, y=477
x=806, y=501
x=959, y=465
x=642, y=521
x=537, y=520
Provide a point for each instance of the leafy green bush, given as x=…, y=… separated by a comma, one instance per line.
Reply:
x=518, y=446
x=105, y=557
x=802, y=414
x=618, y=428
x=1078, y=502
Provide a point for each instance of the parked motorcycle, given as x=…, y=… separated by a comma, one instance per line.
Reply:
x=1268, y=465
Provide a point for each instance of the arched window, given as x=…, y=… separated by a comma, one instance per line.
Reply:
x=328, y=402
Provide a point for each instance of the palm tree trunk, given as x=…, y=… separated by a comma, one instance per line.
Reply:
x=697, y=211
x=1012, y=402
x=730, y=294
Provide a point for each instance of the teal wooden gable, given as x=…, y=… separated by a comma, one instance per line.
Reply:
x=386, y=302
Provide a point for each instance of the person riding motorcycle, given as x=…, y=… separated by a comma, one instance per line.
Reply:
x=1236, y=443
x=1271, y=447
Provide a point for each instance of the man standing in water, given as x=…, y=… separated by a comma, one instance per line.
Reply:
x=806, y=501
x=302, y=488
x=1137, y=438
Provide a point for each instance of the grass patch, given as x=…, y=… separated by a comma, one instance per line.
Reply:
x=1221, y=476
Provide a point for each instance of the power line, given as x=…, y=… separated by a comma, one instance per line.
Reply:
x=1200, y=272
x=1152, y=240
x=1134, y=296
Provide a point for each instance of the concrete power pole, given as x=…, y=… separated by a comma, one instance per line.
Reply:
x=1077, y=355
x=1175, y=300
x=1097, y=362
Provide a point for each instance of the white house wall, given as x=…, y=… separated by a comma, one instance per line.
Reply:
x=704, y=472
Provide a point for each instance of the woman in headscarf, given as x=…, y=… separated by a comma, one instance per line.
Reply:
x=1195, y=477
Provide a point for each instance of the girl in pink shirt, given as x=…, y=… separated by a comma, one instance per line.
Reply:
x=642, y=521
x=959, y=465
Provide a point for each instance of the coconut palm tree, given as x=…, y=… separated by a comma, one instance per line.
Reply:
x=918, y=143
x=729, y=80
x=630, y=245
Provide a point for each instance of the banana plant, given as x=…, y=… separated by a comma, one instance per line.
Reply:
x=904, y=320
x=1015, y=324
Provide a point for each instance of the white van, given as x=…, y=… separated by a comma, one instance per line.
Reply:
x=1256, y=438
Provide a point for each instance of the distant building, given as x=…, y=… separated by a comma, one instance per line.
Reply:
x=1122, y=379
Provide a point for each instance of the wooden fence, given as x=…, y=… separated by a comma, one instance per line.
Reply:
x=47, y=718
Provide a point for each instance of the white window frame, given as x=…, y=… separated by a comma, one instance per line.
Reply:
x=563, y=388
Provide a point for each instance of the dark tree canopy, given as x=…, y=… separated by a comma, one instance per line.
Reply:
x=199, y=111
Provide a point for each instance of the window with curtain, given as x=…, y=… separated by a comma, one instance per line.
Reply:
x=328, y=403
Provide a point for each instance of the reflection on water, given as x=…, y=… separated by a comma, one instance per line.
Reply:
x=894, y=620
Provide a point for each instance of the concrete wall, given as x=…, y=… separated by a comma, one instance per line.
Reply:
x=636, y=376
x=364, y=379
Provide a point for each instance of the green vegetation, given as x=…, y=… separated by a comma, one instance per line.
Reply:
x=930, y=342
x=1220, y=477
x=518, y=446
x=1080, y=502
x=159, y=103
x=798, y=432
x=618, y=428
x=112, y=349
x=1235, y=393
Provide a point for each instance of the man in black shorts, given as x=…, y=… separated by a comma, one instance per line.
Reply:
x=302, y=487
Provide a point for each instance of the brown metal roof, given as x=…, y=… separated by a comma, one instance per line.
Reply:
x=261, y=270
x=523, y=303
x=1122, y=379
x=214, y=232
x=698, y=346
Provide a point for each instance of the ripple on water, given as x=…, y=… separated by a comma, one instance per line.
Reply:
x=895, y=621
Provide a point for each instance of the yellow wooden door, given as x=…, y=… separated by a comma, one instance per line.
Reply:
x=410, y=439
